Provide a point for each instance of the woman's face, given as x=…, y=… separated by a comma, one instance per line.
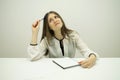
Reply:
x=54, y=22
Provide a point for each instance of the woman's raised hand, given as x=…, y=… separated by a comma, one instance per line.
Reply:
x=35, y=26
x=35, y=30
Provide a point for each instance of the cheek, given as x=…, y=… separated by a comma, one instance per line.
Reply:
x=51, y=26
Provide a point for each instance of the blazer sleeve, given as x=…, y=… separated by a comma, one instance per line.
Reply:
x=82, y=47
x=37, y=52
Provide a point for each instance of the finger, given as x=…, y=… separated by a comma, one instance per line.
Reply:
x=85, y=65
x=90, y=66
x=83, y=62
x=33, y=24
x=36, y=23
x=80, y=62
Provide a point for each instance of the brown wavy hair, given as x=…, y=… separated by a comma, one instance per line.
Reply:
x=48, y=33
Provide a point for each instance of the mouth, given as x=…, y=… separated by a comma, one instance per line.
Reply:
x=56, y=24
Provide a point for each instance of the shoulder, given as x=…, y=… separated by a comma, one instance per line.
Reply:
x=74, y=34
x=44, y=40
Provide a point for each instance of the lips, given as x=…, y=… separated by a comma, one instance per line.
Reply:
x=56, y=24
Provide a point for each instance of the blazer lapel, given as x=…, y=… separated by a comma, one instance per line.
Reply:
x=58, y=49
x=65, y=43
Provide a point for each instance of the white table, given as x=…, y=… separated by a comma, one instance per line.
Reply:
x=45, y=69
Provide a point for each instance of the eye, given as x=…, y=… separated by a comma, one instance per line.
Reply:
x=56, y=17
x=50, y=20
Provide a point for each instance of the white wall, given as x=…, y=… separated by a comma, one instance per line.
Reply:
x=97, y=21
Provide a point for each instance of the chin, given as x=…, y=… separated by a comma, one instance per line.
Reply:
x=60, y=26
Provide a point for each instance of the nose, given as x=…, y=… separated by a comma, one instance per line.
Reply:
x=55, y=20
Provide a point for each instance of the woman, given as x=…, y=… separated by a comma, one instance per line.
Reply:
x=58, y=41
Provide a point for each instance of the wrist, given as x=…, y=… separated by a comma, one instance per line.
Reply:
x=34, y=39
x=92, y=56
x=33, y=44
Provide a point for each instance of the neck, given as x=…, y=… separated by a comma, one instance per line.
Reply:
x=58, y=35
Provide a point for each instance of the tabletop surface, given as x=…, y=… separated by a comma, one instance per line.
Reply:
x=45, y=69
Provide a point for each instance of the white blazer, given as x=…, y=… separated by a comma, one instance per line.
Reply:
x=70, y=43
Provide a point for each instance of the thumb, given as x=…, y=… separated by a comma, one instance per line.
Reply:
x=80, y=62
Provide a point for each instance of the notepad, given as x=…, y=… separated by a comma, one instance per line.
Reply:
x=66, y=62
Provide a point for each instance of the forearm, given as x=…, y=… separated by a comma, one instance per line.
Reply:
x=34, y=38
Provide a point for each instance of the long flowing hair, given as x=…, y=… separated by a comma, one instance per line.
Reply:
x=48, y=33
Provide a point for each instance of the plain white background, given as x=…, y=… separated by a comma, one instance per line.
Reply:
x=97, y=21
